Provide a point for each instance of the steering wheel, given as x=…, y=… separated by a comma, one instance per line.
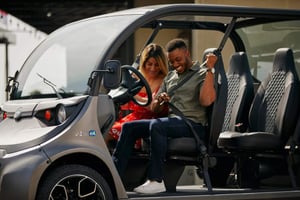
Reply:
x=130, y=86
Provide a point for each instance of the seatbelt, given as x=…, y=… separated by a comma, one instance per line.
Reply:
x=200, y=144
x=227, y=33
x=171, y=91
x=201, y=147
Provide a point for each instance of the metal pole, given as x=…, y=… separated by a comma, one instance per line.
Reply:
x=6, y=66
x=7, y=38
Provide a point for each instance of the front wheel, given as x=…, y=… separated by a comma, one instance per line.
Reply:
x=74, y=182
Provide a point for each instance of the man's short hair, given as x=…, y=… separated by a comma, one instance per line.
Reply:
x=176, y=43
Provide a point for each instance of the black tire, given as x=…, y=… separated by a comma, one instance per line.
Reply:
x=74, y=182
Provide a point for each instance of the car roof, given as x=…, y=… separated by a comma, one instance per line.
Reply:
x=213, y=10
x=150, y=16
x=244, y=13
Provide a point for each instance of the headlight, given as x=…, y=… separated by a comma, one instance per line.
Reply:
x=3, y=115
x=56, y=115
x=61, y=114
x=2, y=153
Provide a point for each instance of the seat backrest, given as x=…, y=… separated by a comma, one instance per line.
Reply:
x=216, y=112
x=276, y=104
x=240, y=93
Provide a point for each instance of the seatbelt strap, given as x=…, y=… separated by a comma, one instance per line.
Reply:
x=227, y=33
x=201, y=147
x=171, y=91
x=200, y=144
x=220, y=48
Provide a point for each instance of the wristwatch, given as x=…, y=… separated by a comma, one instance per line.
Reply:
x=212, y=70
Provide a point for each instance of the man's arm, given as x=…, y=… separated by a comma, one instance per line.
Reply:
x=207, y=92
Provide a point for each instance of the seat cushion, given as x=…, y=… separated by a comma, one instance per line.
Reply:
x=182, y=146
x=253, y=141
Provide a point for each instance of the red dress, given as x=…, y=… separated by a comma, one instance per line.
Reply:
x=138, y=112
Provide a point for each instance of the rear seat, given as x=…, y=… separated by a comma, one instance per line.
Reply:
x=293, y=149
x=240, y=93
x=272, y=120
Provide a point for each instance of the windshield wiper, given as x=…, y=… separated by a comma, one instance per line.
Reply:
x=52, y=85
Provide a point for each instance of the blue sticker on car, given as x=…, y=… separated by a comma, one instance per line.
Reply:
x=92, y=133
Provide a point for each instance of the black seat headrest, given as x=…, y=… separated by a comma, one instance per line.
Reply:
x=239, y=64
x=284, y=60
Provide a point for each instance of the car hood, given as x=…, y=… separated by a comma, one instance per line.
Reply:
x=21, y=130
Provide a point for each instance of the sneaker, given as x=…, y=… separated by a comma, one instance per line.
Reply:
x=150, y=187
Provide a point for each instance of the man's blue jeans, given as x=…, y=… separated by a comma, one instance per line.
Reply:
x=159, y=130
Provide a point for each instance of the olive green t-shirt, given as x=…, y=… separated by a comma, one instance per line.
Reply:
x=186, y=97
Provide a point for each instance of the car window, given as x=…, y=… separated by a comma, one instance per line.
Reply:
x=198, y=40
x=261, y=42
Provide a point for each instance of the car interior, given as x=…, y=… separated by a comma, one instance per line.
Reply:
x=272, y=120
x=243, y=106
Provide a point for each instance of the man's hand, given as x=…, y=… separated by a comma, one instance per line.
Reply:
x=162, y=98
x=208, y=93
x=211, y=60
x=159, y=101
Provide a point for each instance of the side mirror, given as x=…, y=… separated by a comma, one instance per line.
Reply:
x=112, y=75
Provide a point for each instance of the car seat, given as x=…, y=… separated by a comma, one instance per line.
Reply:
x=272, y=119
x=240, y=93
x=293, y=148
x=235, y=104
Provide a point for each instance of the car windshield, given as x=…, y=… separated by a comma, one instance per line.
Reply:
x=61, y=65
